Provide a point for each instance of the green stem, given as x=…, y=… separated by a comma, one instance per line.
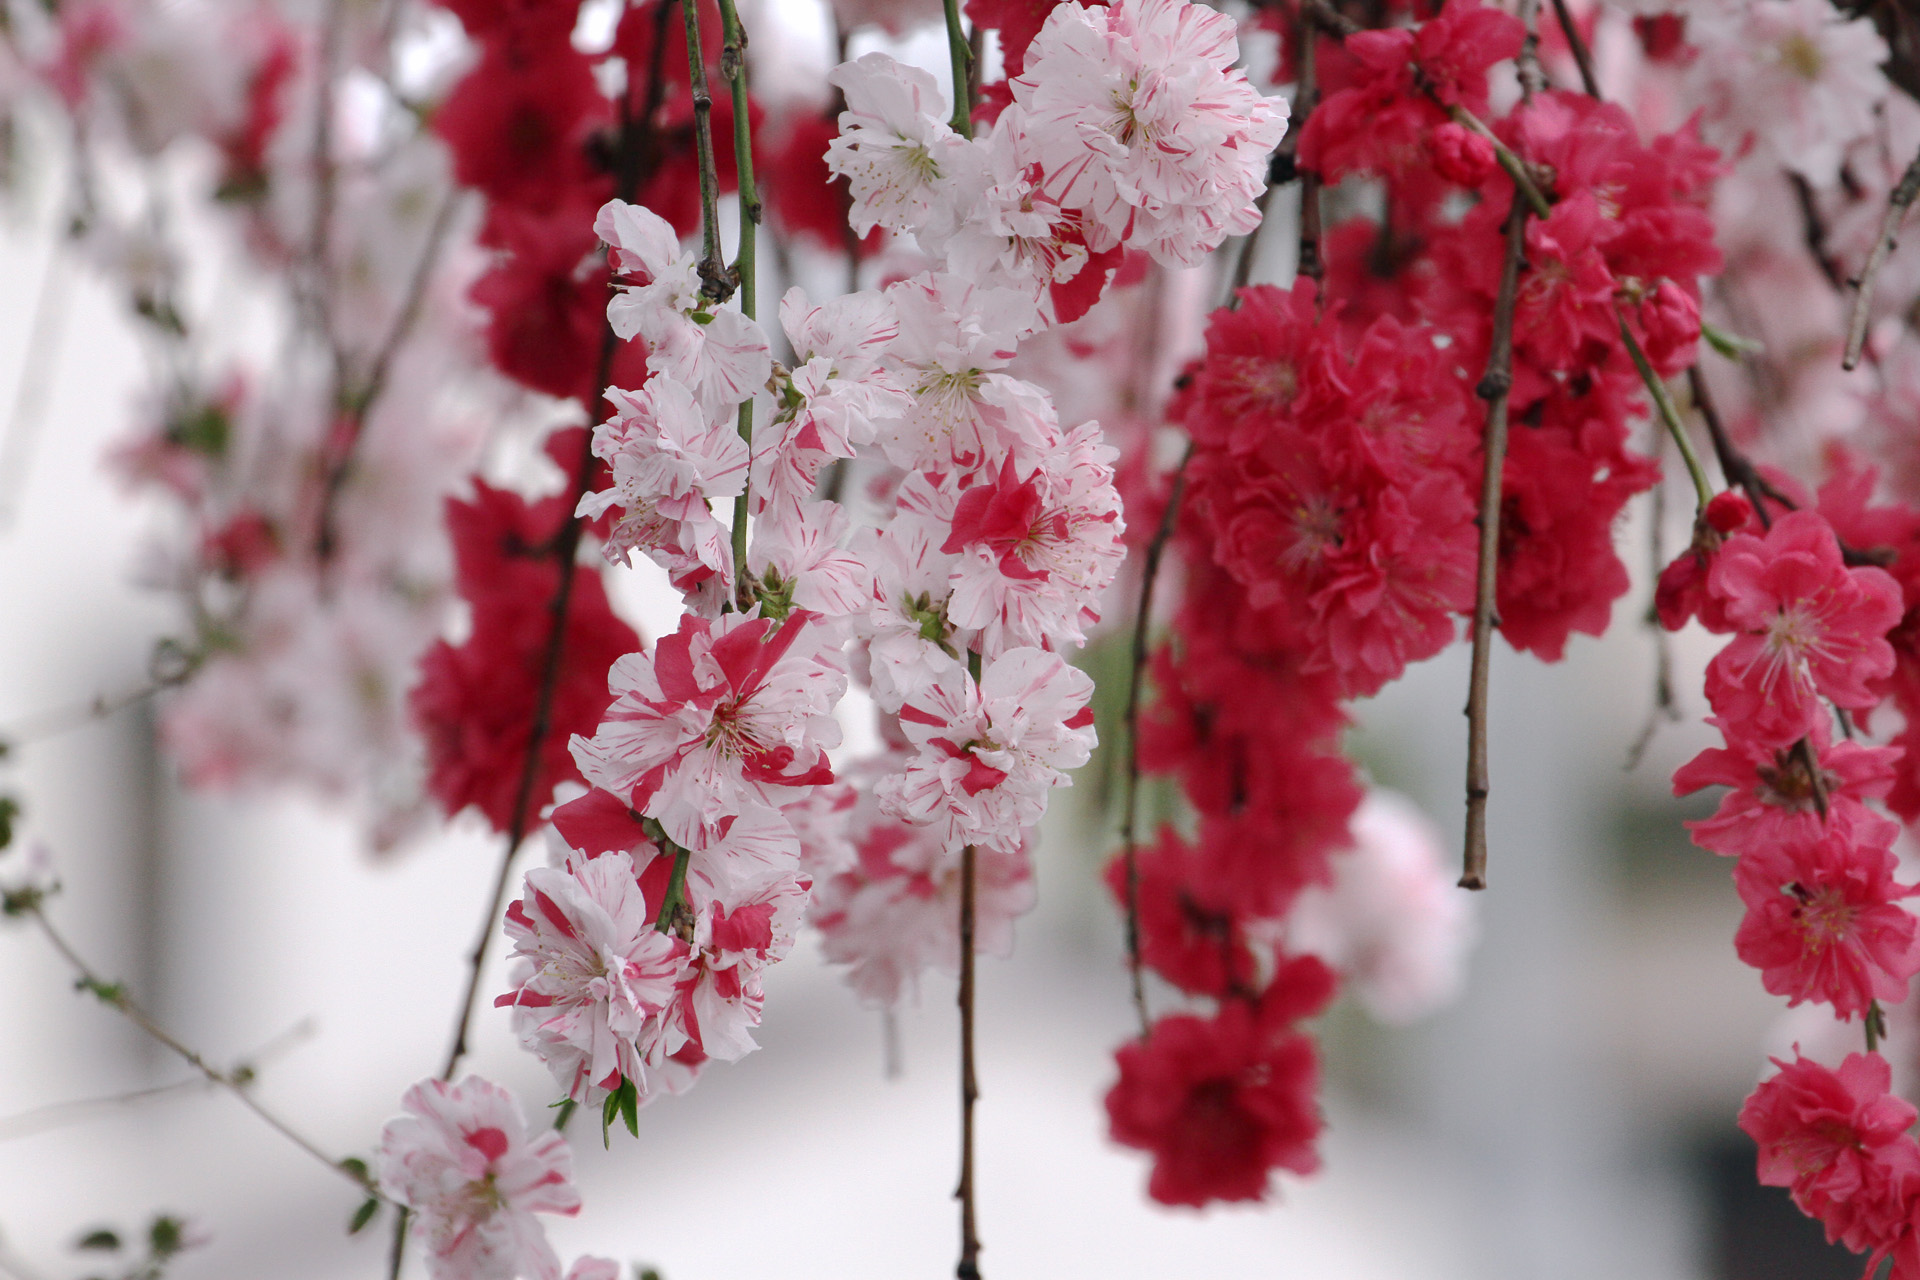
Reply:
x=1702, y=488
x=676, y=895
x=733, y=65
x=961, y=55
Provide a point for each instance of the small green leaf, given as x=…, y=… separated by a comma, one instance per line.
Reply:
x=1730, y=345
x=630, y=1106
x=9, y=810
x=608, y=1110
x=107, y=992
x=563, y=1112
x=649, y=1273
x=358, y=1168
x=366, y=1213
x=105, y=1239
x=163, y=1237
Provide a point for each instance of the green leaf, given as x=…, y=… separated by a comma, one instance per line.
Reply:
x=9, y=810
x=1730, y=345
x=105, y=1239
x=608, y=1110
x=630, y=1106
x=107, y=992
x=649, y=1273
x=358, y=1168
x=163, y=1237
x=366, y=1213
x=563, y=1112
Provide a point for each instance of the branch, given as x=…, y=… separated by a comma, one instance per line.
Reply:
x=114, y=996
x=733, y=65
x=1578, y=43
x=960, y=56
x=1897, y=205
x=1129, y=841
x=713, y=269
x=1308, y=261
x=1670, y=416
x=1494, y=388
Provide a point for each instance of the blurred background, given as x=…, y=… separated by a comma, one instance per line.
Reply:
x=1570, y=1115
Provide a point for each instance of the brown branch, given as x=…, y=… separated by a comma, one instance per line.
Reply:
x=1898, y=203
x=969, y=1265
x=1129, y=841
x=1734, y=465
x=1581, y=57
x=359, y=404
x=114, y=996
x=1813, y=229
x=1494, y=388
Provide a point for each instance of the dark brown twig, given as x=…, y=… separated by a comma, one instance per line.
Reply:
x=1308, y=94
x=968, y=1267
x=1902, y=198
x=1129, y=839
x=1575, y=41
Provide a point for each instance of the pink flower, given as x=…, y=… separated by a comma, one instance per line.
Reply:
x=669, y=459
x=1136, y=115
x=903, y=161
x=592, y=971
x=989, y=753
x=1811, y=627
x=463, y=1161
x=1772, y=801
x=723, y=716
x=1839, y=1140
x=1824, y=922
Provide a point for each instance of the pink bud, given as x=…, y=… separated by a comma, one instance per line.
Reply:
x=1461, y=156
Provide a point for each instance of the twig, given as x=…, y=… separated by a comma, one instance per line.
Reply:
x=969, y=1265
x=1129, y=839
x=733, y=66
x=1814, y=230
x=1495, y=389
x=960, y=56
x=114, y=995
x=360, y=403
x=713, y=269
x=1578, y=43
x=1734, y=465
x=636, y=149
x=1308, y=262
x=1670, y=416
x=968, y=1268
x=1898, y=203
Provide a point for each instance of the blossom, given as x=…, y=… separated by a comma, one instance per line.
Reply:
x=896, y=149
x=1223, y=1101
x=669, y=460
x=1135, y=114
x=463, y=1161
x=721, y=717
x=988, y=753
x=1809, y=626
x=592, y=971
x=1839, y=1140
x=1824, y=922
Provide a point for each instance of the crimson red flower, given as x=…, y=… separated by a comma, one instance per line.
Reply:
x=1221, y=1102
x=1839, y=1140
x=1824, y=920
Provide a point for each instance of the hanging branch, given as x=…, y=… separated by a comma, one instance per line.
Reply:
x=1578, y=43
x=1495, y=389
x=1670, y=416
x=1129, y=840
x=1309, y=263
x=733, y=66
x=1898, y=203
x=358, y=404
x=1734, y=465
x=969, y=1265
x=716, y=285
x=114, y=996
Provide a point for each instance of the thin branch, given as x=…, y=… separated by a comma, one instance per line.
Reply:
x=360, y=403
x=635, y=152
x=1898, y=203
x=114, y=995
x=733, y=66
x=1129, y=838
x=1665, y=705
x=969, y=1265
x=960, y=57
x=1309, y=262
x=1575, y=41
x=1669, y=415
x=1495, y=389
x=1734, y=465
x=1814, y=230
x=713, y=268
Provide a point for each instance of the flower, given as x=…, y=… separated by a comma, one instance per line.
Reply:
x=463, y=1161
